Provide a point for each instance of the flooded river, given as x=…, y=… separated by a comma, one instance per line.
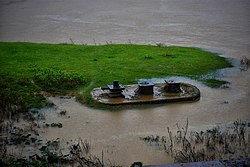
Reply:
x=222, y=26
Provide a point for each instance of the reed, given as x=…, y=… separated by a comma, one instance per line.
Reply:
x=214, y=144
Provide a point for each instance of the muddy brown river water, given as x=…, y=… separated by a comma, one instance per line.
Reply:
x=222, y=26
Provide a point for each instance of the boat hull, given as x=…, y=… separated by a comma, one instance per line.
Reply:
x=189, y=93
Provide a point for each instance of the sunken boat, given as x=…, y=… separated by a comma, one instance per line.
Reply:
x=145, y=92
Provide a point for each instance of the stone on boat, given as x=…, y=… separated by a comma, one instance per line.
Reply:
x=145, y=88
x=115, y=90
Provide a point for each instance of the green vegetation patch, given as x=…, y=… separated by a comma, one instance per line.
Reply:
x=52, y=80
x=215, y=83
x=27, y=69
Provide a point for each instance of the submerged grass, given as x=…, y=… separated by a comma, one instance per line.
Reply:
x=215, y=83
x=26, y=69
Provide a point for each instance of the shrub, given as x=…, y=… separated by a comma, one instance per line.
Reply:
x=50, y=79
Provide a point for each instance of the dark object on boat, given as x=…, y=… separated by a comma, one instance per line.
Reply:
x=145, y=88
x=172, y=87
x=115, y=90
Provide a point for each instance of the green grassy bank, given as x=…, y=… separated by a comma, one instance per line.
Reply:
x=27, y=69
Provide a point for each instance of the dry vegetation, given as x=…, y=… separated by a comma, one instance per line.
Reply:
x=214, y=144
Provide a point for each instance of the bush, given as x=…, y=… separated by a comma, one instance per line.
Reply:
x=50, y=79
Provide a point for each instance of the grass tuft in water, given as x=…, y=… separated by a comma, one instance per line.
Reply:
x=215, y=83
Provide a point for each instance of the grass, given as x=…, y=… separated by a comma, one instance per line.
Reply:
x=27, y=69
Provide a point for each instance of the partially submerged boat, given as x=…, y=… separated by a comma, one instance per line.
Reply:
x=145, y=92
